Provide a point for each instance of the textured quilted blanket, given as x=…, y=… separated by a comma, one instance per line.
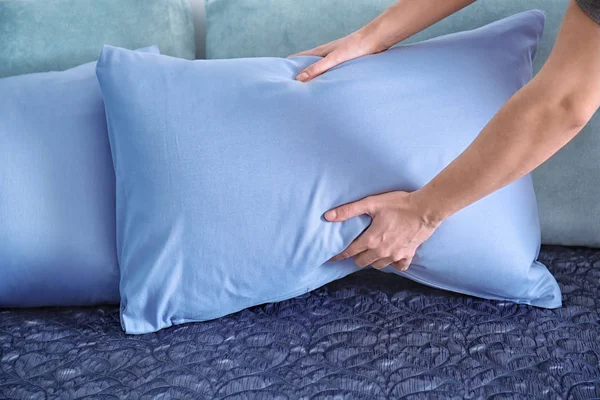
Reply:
x=368, y=336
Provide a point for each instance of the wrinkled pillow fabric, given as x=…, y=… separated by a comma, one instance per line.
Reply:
x=224, y=169
x=57, y=197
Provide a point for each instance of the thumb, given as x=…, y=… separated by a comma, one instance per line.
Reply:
x=347, y=211
x=319, y=67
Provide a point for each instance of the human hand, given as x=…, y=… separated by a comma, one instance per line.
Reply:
x=347, y=48
x=399, y=225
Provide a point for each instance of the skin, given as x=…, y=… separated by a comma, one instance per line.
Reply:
x=533, y=125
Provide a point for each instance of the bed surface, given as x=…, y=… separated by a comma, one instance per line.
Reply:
x=367, y=336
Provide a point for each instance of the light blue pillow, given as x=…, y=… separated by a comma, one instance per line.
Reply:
x=225, y=167
x=57, y=191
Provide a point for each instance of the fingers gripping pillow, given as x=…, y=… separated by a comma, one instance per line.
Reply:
x=224, y=169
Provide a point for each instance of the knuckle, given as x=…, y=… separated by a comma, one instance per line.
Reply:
x=373, y=241
x=367, y=259
x=353, y=249
x=335, y=57
x=367, y=203
x=322, y=66
x=382, y=251
x=319, y=50
x=375, y=258
x=388, y=250
x=342, y=211
x=402, y=265
x=311, y=71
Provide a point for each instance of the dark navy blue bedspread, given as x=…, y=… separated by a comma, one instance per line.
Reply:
x=368, y=336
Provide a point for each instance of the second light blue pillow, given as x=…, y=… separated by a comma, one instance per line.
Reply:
x=57, y=191
x=225, y=168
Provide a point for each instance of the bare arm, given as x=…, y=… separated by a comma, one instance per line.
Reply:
x=398, y=22
x=535, y=123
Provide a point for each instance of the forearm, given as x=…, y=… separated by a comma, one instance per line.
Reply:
x=407, y=17
x=534, y=124
x=523, y=134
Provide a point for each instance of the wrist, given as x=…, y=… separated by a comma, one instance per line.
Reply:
x=430, y=211
x=370, y=40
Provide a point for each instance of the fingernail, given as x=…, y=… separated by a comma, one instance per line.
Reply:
x=330, y=215
x=302, y=77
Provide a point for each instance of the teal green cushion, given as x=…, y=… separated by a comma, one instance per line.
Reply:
x=54, y=35
x=255, y=28
x=567, y=186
